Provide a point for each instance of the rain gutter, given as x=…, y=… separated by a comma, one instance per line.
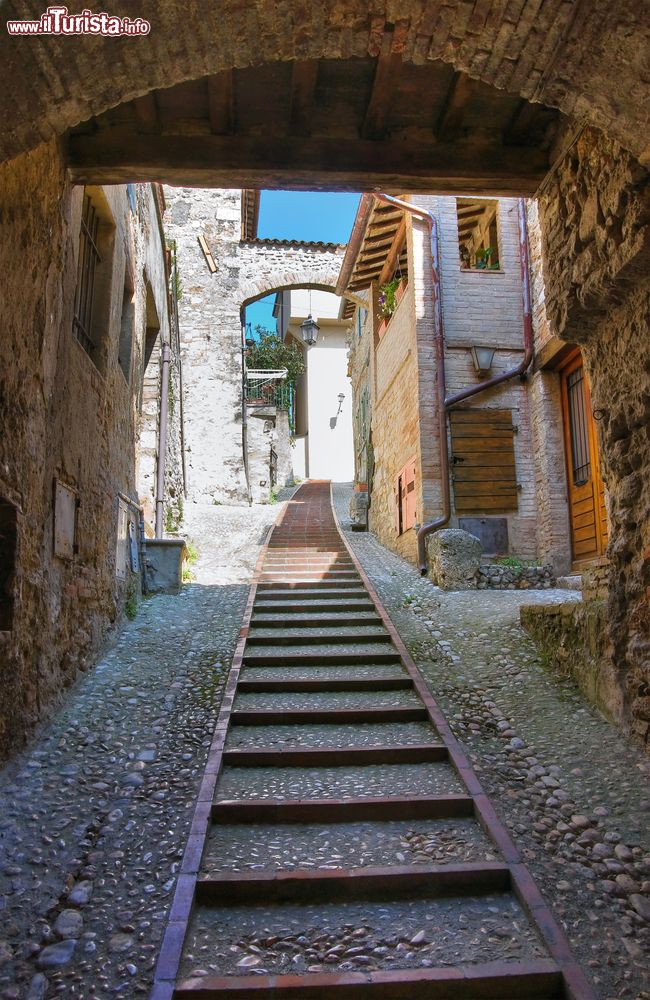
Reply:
x=444, y=402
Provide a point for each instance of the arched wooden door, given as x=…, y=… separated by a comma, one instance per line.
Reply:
x=587, y=509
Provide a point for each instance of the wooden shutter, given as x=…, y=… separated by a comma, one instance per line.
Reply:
x=483, y=461
x=408, y=504
x=404, y=498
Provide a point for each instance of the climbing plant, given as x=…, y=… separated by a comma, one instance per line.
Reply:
x=269, y=352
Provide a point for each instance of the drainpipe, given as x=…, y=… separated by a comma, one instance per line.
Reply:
x=244, y=415
x=438, y=330
x=446, y=403
x=473, y=390
x=162, y=439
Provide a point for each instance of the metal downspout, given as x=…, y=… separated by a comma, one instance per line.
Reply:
x=473, y=390
x=426, y=529
x=446, y=403
x=162, y=439
x=244, y=415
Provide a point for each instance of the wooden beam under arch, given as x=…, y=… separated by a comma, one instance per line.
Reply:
x=120, y=155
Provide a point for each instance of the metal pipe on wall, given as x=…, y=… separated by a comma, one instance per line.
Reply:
x=162, y=439
x=438, y=330
x=445, y=403
x=473, y=390
x=244, y=414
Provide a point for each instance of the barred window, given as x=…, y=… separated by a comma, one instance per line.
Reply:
x=94, y=273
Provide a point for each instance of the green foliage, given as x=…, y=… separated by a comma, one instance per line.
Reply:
x=271, y=353
x=190, y=558
x=273, y=494
x=408, y=599
x=483, y=260
x=131, y=602
x=514, y=562
x=174, y=514
x=388, y=296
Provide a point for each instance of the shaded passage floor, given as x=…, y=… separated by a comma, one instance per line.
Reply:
x=573, y=791
x=94, y=817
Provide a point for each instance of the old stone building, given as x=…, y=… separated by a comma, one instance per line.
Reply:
x=548, y=101
x=397, y=373
x=86, y=318
x=218, y=229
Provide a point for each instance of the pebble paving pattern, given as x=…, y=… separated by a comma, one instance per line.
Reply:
x=289, y=893
x=573, y=791
x=94, y=816
x=362, y=935
x=326, y=735
x=340, y=845
x=373, y=780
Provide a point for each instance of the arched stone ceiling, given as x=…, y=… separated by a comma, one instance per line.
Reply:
x=589, y=58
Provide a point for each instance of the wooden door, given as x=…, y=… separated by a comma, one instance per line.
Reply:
x=587, y=510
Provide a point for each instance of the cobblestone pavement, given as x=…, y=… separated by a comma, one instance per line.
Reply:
x=573, y=792
x=94, y=817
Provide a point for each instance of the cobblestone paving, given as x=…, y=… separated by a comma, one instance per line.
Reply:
x=94, y=818
x=573, y=792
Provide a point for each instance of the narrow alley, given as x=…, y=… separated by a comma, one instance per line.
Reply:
x=91, y=875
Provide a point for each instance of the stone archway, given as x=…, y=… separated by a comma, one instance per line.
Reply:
x=267, y=266
x=585, y=59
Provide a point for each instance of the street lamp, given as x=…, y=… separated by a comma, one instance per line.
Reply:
x=482, y=358
x=309, y=329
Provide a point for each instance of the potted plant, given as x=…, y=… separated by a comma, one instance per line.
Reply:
x=389, y=296
x=484, y=260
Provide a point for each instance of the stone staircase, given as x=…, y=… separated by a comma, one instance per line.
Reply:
x=342, y=847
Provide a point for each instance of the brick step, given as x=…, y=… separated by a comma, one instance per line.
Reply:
x=342, y=810
x=342, y=585
x=319, y=606
x=300, y=637
x=538, y=979
x=414, y=753
x=252, y=717
x=316, y=620
x=334, y=600
x=314, y=658
x=307, y=684
x=470, y=878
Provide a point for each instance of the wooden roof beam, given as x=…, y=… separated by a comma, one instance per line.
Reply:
x=221, y=103
x=450, y=119
x=394, y=253
x=146, y=113
x=119, y=155
x=384, y=87
x=304, y=75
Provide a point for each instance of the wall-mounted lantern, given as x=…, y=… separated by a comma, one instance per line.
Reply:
x=309, y=329
x=341, y=397
x=482, y=358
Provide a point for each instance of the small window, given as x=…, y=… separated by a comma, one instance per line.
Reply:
x=8, y=544
x=94, y=276
x=126, y=328
x=404, y=497
x=478, y=236
x=149, y=388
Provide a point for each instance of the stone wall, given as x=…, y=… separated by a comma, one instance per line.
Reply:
x=63, y=419
x=595, y=220
x=586, y=59
x=478, y=308
x=210, y=329
x=572, y=638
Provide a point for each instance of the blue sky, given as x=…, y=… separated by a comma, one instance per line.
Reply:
x=301, y=215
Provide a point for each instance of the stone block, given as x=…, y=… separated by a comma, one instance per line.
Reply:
x=454, y=557
x=164, y=565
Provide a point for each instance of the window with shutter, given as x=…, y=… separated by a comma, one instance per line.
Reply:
x=484, y=473
x=404, y=498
